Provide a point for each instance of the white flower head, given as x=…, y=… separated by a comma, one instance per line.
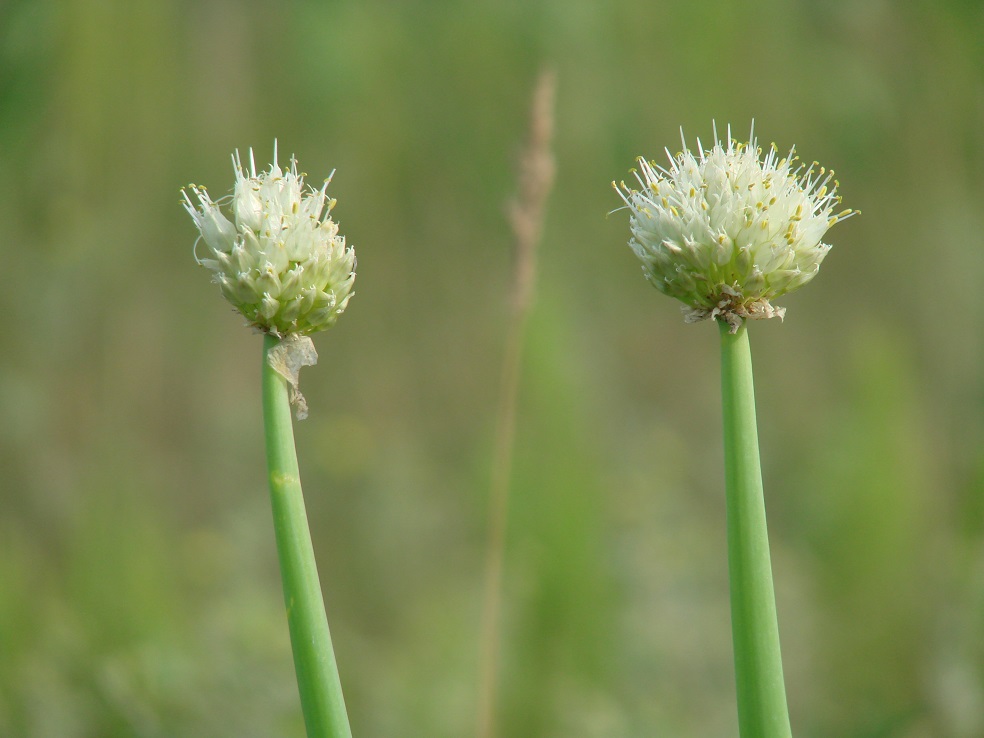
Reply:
x=280, y=260
x=726, y=231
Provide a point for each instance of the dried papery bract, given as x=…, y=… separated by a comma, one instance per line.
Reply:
x=727, y=230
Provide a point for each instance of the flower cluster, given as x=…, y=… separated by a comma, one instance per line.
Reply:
x=726, y=231
x=280, y=260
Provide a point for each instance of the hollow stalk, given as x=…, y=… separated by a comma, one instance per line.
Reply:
x=762, y=710
x=314, y=659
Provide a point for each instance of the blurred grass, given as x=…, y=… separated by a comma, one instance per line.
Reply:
x=138, y=583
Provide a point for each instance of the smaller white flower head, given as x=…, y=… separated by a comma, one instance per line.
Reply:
x=726, y=231
x=280, y=260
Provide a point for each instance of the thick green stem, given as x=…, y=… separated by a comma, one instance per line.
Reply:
x=762, y=711
x=314, y=659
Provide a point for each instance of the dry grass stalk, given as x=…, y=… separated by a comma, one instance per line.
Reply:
x=526, y=214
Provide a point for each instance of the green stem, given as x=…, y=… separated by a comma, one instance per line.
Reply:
x=762, y=711
x=314, y=659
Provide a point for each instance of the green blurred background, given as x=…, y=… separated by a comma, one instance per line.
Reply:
x=139, y=589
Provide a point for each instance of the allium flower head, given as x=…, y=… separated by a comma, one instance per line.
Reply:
x=280, y=260
x=726, y=231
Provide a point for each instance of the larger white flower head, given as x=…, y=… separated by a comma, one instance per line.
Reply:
x=727, y=230
x=280, y=260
